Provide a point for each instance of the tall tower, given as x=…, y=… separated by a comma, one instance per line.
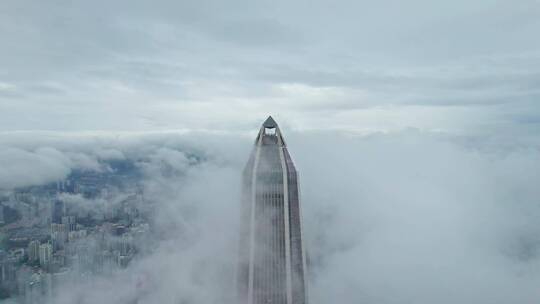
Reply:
x=272, y=265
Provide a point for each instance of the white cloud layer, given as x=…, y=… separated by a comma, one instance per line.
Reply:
x=390, y=218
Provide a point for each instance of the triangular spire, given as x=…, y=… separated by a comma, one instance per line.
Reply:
x=270, y=123
x=270, y=130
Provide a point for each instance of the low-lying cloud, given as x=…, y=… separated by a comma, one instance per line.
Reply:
x=407, y=217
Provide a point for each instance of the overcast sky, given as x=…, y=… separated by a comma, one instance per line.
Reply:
x=448, y=66
x=436, y=202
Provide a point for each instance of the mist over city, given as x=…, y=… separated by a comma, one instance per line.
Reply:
x=160, y=152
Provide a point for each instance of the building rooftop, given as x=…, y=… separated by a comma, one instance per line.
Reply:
x=270, y=123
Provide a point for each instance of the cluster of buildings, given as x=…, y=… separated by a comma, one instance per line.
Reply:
x=45, y=242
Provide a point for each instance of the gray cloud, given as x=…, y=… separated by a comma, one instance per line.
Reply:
x=24, y=168
x=170, y=65
x=421, y=188
x=408, y=216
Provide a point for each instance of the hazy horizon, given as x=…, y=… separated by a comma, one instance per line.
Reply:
x=415, y=127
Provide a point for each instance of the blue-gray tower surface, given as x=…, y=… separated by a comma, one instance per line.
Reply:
x=272, y=264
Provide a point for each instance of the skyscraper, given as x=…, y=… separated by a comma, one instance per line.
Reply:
x=33, y=251
x=45, y=255
x=272, y=265
x=57, y=211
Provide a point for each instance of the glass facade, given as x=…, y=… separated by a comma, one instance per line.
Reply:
x=272, y=262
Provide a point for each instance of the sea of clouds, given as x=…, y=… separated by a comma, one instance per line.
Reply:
x=404, y=217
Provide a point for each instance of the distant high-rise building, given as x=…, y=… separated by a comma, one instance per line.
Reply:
x=8, y=270
x=76, y=235
x=69, y=222
x=272, y=265
x=1, y=214
x=45, y=254
x=33, y=251
x=59, y=235
x=57, y=211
